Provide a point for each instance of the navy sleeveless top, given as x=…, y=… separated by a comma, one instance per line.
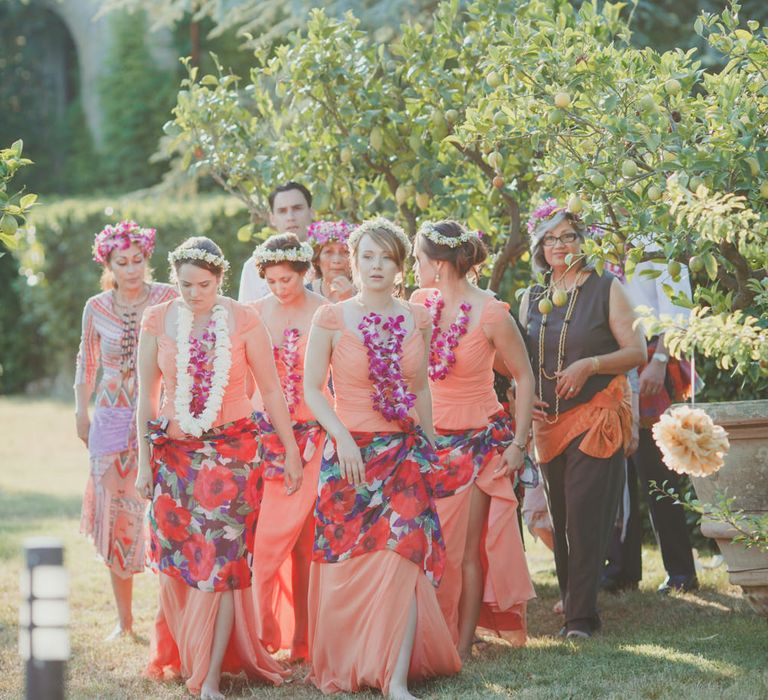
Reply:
x=588, y=334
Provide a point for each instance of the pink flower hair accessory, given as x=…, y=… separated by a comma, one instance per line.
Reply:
x=321, y=232
x=120, y=237
x=548, y=208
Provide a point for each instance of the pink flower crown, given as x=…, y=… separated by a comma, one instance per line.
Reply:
x=321, y=232
x=120, y=237
x=546, y=210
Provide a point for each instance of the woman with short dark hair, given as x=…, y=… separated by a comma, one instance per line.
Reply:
x=582, y=342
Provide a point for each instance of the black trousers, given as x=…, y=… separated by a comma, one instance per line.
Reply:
x=583, y=497
x=624, y=561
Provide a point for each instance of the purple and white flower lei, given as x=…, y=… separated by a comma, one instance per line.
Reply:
x=120, y=236
x=288, y=354
x=441, y=355
x=390, y=393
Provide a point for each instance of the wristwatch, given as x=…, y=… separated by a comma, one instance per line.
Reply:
x=660, y=357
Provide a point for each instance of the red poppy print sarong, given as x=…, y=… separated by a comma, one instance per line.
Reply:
x=463, y=453
x=308, y=436
x=392, y=509
x=206, y=498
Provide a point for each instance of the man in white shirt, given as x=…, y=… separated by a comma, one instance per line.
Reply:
x=290, y=211
x=668, y=518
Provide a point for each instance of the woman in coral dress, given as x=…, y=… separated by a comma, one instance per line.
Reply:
x=201, y=472
x=282, y=548
x=486, y=581
x=374, y=619
x=113, y=513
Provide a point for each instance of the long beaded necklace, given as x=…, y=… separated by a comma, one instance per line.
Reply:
x=560, y=348
x=128, y=314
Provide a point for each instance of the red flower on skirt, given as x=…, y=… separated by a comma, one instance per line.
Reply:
x=413, y=546
x=175, y=459
x=240, y=447
x=338, y=499
x=233, y=575
x=251, y=521
x=172, y=520
x=374, y=539
x=407, y=495
x=254, y=489
x=342, y=535
x=200, y=555
x=214, y=486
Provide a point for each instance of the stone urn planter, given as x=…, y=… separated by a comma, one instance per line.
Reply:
x=744, y=476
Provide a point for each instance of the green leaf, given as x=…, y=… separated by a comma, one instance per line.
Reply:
x=27, y=200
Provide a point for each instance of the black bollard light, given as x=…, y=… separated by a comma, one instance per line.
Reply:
x=43, y=618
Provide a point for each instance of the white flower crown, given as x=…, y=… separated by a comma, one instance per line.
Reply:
x=428, y=230
x=303, y=253
x=197, y=254
x=379, y=223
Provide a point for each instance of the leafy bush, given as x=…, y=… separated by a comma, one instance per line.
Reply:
x=136, y=96
x=56, y=259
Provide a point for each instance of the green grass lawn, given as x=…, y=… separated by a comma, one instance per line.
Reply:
x=703, y=645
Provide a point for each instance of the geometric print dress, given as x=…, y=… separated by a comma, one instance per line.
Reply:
x=113, y=514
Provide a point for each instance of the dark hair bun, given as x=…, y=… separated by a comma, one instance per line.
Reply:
x=466, y=256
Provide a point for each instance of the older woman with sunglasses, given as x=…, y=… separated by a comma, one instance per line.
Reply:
x=582, y=342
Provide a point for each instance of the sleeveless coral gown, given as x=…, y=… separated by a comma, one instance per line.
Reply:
x=465, y=401
x=184, y=626
x=358, y=606
x=282, y=520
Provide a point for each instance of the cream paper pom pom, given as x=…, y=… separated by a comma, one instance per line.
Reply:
x=690, y=442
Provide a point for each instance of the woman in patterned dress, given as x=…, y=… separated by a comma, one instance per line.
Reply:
x=374, y=619
x=282, y=548
x=113, y=513
x=202, y=473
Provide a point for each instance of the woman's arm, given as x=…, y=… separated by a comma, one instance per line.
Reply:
x=509, y=344
x=87, y=364
x=631, y=352
x=316, y=363
x=420, y=387
x=258, y=350
x=147, y=408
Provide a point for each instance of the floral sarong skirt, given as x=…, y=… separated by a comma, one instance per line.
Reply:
x=463, y=453
x=205, y=503
x=392, y=509
x=308, y=435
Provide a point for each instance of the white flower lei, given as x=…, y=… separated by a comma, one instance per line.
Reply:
x=428, y=230
x=379, y=223
x=222, y=361
x=303, y=253
x=197, y=254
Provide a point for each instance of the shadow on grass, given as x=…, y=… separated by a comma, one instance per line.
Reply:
x=22, y=511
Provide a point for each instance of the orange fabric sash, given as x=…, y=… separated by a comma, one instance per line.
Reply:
x=606, y=420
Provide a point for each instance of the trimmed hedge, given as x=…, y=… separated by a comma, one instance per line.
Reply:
x=67, y=275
